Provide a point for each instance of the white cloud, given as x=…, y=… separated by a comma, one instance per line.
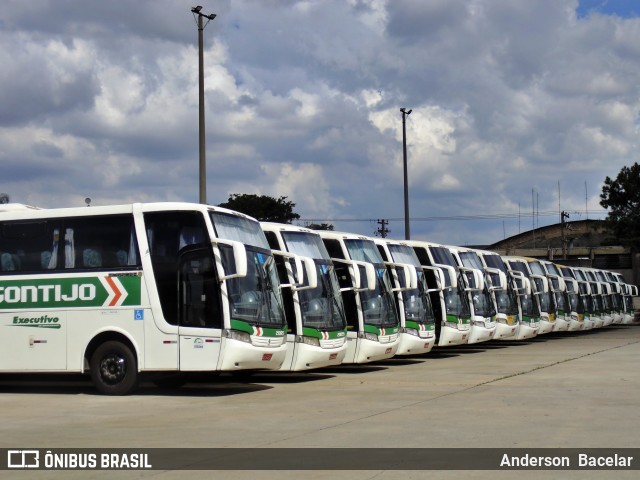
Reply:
x=303, y=99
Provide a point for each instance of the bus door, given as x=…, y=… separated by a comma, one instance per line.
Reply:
x=199, y=310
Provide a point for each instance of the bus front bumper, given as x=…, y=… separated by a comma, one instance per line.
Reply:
x=452, y=336
x=414, y=345
x=238, y=355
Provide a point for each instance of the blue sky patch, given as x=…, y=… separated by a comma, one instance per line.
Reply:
x=618, y=8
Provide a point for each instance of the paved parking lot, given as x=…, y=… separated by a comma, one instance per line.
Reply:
x=573, y=390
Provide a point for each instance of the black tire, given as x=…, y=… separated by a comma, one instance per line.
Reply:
x=114, y=369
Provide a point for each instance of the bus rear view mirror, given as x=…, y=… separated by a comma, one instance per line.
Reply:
x=473, y=279
x=355, y=270
x=556, y=284
x=301, y=271
x=540, y=283
x=306, y=268
x=234, y=259
x=450, y=276
x=521, y=284
x=496, y=278
x=408, y=280
x=437, y=277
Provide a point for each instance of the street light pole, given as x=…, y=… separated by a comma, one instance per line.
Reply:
x=407, y=228
x=203, y=160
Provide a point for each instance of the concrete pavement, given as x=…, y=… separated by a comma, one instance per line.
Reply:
x=574, y=390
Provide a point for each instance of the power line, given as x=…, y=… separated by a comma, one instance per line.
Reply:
x=487, y=216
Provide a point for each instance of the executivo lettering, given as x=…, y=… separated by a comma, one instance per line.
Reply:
x=103, y=291
x=44, y=321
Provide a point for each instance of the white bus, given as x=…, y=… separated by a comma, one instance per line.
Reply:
x=448, y=297
x=126, y=289
x=531, y=268
x=317, y=328
x=527, y=297
x=483, y=311
x=504, y=296
x=627, y=292
x=597, y=303
x=557, y=294
x=574, y=303
x=590, y=318
x=417, y=322
x=372, y=320
x=540, y=283
x=611, y=294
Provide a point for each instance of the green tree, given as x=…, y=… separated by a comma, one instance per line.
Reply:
x=622, y=198
x=262, y=207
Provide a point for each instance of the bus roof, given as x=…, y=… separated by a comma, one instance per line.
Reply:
x=25, y=213
x=16, y=207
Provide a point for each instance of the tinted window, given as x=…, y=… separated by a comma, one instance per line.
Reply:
x=100, y=242
x=168, y=233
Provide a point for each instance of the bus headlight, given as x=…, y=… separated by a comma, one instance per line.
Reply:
x=237, y=335
x=410, y=331
x=368, y=336
x=313, y=341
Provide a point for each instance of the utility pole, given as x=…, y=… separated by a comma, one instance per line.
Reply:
x=563, y=217
x=407, y=228
x=383, y=230
x=203, y=160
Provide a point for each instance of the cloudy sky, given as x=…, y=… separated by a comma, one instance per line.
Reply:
x=514, y=102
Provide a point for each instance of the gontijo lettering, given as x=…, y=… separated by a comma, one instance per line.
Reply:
x=102, y=291
x=47, y=293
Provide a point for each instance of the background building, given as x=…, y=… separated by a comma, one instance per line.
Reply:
x=584, y=243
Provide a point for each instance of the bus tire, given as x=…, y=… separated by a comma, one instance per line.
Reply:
x=114, y=369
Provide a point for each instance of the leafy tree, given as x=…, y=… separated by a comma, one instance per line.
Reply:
x=262, y=207
x=622, y=198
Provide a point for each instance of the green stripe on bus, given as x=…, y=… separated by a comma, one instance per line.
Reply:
x=70, y=292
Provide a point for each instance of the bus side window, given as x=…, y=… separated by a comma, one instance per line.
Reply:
x=100, y=242
x=25, y=245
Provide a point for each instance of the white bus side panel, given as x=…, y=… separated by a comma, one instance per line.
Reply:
x=33, y=340
x=199, y=348
x=85, y=325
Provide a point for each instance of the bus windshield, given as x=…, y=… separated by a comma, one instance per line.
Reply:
x=378, y=306
x=417, y=305
x=321, y=307
x=482, y=303
x=506, y=299
x=305, y=244
x=255, y=298
x=239, y=229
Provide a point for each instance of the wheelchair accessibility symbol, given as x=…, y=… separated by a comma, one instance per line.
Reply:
x=138, y=314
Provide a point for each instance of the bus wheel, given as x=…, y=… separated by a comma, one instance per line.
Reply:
x=113, y=369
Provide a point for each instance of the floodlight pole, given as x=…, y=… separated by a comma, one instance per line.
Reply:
x=203, y=160
x=407, y=228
